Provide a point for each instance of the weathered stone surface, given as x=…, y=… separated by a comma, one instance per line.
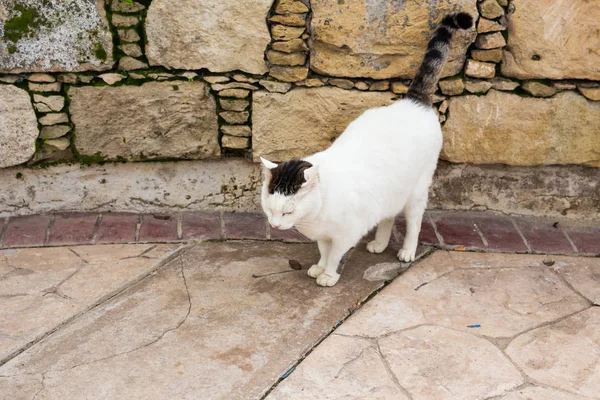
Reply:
x=380, y=86
x=538, y=89
x=458, y=365
x=124, y=6
x=399, y=88
x=45, y=287
x=290, y=6
x=234, y=105
x=361, y=86
x=55, y=131
x=67, y=78
x=18, y=126
x=490, y=9
x=564, y=85
x=124, y=20
x=490, y=41
x=225, y=36
x=342, y=83
x=58, y=144
x=45, y=87
x=381, y=40
x=111, y=78
x=280, y=58
x=305, y=121
x=479, y=131
x=236, y=130
x=244, y=78
x=155, y=120
x=289, y=19
x=289, y=74
x=583, y=274
x=237, y=93
x=54, y=118
x=493, y=55
x=535, y=393
x=485, y=26
x=216, y=79
x=235, y=142
x=314, y=82
x=54, y=36
x=290, y=46
x=233, y=85
x=504, y=84
x=541, y=353
x=130, y=64
x=341, y=368
x=592, y=93
x=10, y=78
x=478, y=69
x=452, y=87
x=477, y=86
x=128, y=35
x=131, y=49
x=209, y=324
x=52, y=103
x=282, y=32
x=274, y=86
x=41, y=78
x=542, y=45
x=233, y=117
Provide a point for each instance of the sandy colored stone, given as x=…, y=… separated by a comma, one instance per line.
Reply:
x=289, y=74
x=490, y=41
x=541, y=353
x=380, y=86
x=124, y=20
x=54, y=118
x=155, y=120
x=432, y=362
x=361, y=86
x=279, y=58
x=237, y=130
x=201, y=320
x=564, y=85
x=55, y=36
x=55, y=131
x=18, y=126
x=583, y=274
x=67, y=78
x=342, y=83
x=10, y=78
x=305, y=121
x=477, y=86
x=538, y=89
x=592, y=93
x=52, y=103
x=282, y=32
x=290, y=46
x=41, y=78
x=124, y=6
x=131, y=49
x=216, y=79
x=45, y=287
x=485, y=26
x=237, y=93
x=443, y=107
x=381, y=40
x=58, y=144
x=559, y=130
x=452, y=87
x=45, y=87
x=314, y=82
x=274, y=86
x=399, y=88
x=289, y=19
x=233, y=85
x=225, y=36
x=129, y=64
x=234, y=105
x=542, y=45
x=541, y=393
x=233, y=117
x=478, y=69
x=244, y=78
x=341, y=368
x=490, y=9
x=290, y=6
x=504, y=84
x=493, y=55
x=129, y=35
x=235, y=142
x=111, y=78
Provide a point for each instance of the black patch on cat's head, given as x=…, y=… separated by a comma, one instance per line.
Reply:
x=288, y=177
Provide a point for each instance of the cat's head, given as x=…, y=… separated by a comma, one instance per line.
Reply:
x=290, y=192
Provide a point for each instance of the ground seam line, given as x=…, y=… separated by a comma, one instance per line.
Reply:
x=529, y=249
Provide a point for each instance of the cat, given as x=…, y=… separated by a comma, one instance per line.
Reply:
x=381, y=165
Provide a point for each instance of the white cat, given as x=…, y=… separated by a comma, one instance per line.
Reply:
x=380, y=166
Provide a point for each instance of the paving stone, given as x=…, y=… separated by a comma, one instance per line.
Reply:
x=586, y=239
x=457, y=230
x=75, y=228
x=539, y=393
x=432, y=362
x=201, y=226
x=564, y=355
x=427, y=234
x=26, y=231
x=245, y=226
x=341, y=368
x=543, y=238
x=500, y=233
x=583, y=274
x=117, y=228
x=158, y=228
x=290, y=235
x=45, y=287
x=201, y=327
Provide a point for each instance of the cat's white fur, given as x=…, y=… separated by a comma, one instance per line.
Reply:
x=380, y=166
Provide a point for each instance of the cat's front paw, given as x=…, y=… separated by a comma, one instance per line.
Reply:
x=327, y=280
x=315, y=271
x=376, y=247
x=405, y=255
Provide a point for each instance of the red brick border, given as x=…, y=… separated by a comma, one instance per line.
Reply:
x=471, y=230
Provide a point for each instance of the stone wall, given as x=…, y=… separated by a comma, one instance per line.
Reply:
x=142, y=81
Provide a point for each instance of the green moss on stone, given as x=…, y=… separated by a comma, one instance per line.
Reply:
x=100, y=53
x=12, y=49
x=21, y=25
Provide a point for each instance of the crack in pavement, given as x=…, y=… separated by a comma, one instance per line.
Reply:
x=388, y=368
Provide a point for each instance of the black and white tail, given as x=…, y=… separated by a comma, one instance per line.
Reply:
x=425, y=82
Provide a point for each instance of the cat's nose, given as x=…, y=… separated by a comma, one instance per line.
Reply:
x=276, y=226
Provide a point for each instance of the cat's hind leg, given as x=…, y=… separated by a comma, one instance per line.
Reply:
x=413, y=213
x=317, y=269
x=382, y=237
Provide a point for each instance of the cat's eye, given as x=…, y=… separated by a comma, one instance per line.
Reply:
x=286, y=213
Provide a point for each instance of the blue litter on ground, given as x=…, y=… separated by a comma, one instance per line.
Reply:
x=289, y=371
x=474, y=326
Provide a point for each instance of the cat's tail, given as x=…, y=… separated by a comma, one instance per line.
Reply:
x=423, y=86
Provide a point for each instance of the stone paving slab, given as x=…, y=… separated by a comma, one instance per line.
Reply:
x=44, y=287
x=201, y=327
x=441, y=331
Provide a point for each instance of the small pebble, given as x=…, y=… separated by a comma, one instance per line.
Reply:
x=295, y=265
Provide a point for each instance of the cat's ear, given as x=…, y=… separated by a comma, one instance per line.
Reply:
x=311, y=176
x=267, y=167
